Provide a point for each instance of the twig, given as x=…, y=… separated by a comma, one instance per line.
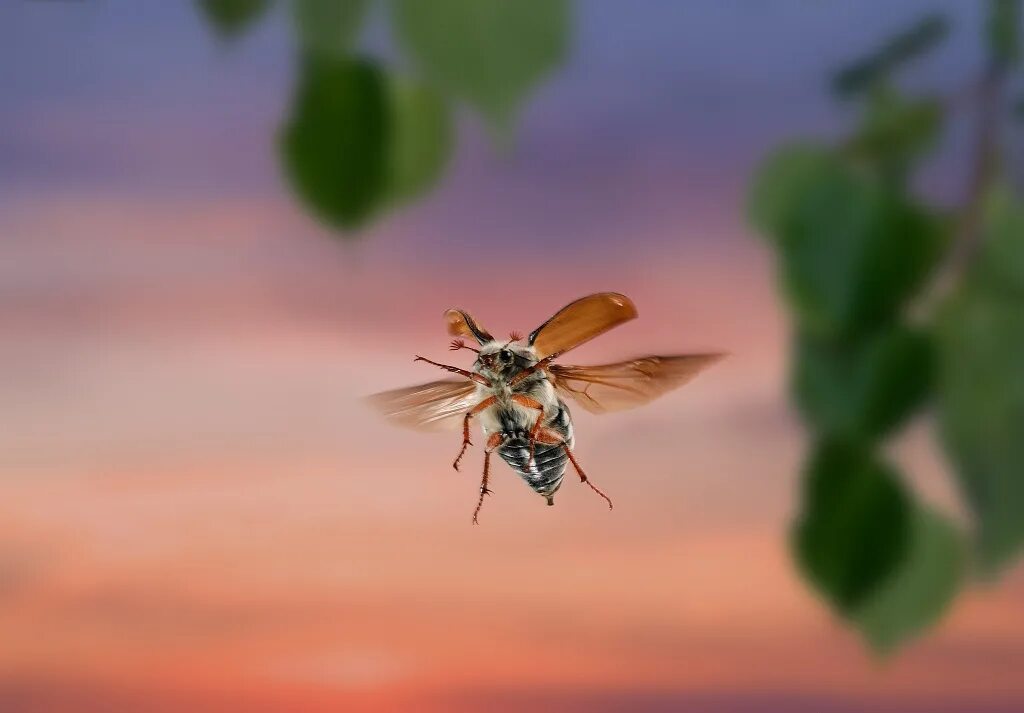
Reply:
x=986, y=160
x=966, y=242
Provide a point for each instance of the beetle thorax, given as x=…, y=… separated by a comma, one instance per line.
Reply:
x=501, y=361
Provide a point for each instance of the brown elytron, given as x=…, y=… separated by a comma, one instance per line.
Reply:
x=517, y=392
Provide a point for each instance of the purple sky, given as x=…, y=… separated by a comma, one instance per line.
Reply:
x=663, y=108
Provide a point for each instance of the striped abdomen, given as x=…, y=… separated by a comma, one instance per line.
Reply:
x=544, y=475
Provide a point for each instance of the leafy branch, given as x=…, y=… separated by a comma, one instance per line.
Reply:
x=857, y=251
x=363, y=138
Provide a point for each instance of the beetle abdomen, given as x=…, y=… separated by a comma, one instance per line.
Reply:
x=545, y=474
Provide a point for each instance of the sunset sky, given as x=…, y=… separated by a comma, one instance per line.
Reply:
x=197, y=511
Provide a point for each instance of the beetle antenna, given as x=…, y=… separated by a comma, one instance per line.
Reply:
x=458, y=344
x=515, y=336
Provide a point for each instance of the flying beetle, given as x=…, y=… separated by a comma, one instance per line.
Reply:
x=517, y=393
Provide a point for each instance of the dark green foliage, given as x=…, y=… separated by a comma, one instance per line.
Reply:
x=858, y=261
x=921, y=589
x=781, y=181
x=1001, y=260
x=981, y=387
x=334, y=146
x=854, y=526
x=865, y=389
x=328, y=27
x=897, y=131
x=861, y=75
x=851, y=250
x=358, y=141
x=421, y=140
x=982, y=410
x=230, y=18
x=491, y=53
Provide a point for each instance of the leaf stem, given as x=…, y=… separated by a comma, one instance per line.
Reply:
x=985, y=164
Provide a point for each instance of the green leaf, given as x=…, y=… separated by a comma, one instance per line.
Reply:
x=328, y=27
x=897, y=130
x=1003, y=30
x=923, y=36
x=1001, y=262
x=920, y=591
x=864, y=389
x=422, y=137
x=981, y=391
x=230, y=18
x=852, y=251
x=981, y=385
x=781, y=180
x=491, y=53
x=854, y=528
x=334, y=146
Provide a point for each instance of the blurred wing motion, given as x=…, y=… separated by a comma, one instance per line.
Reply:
x=462, y=324
x=426, y=406
x=613, y=387
x=581, y=321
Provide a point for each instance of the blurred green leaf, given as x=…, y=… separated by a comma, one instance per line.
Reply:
x=488, y=52
x=422, y=138
x=921, y=589
x=923, y=36
x=781, y=180
x=851, y=250
x=1003, y=30
x=334, y=146
x=981, y=385
x=328, y=27
x=864, y=389
x=855, y=524
x=229, y=18
x=1001, y=262
x=982, y=412
x=897, y=130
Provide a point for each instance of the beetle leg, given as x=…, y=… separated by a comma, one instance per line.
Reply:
x=466, y=443
x=473, y=376
x=531, y=370
x=551, y=437
x=493, y=442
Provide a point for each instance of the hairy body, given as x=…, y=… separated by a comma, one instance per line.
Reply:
x=522, y=408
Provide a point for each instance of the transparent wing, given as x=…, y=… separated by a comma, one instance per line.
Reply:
x=627, y=384
x=581, y=321
x=429, y=406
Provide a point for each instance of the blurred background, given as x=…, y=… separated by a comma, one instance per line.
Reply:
x=219, y=232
